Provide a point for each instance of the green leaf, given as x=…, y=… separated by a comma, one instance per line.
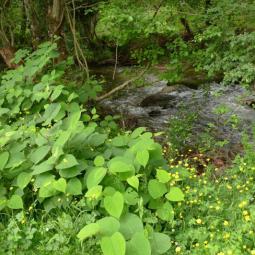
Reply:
x=15, y=202
x=88, y=231
x=94, y=193
x=137, y=132
x=142, y=157
x=156, y=189
x=61, y=141
x=68, y=161
x=131, y=197
x=41, y=168
x=60, y=185
x=69, y=172
x=163, y=176
x=74, y=117
x=23, y=179
x=114, y=245
x=160, y=243
x=133, y=182
x=51, y=112
x=118, y=166
x=130, y=224
x=108, y=225
x=4, y=157
x=120, y=141
x=3, y=111
x=74, y=187
x=43, y=179
x=15, y=159
x=47, y=190
x=95, y=176
x=37, y=155
x=138, y=245
x=166, y=212
x=175, y=194
x=99, y=161
x=56, y=92
x=97, y=139
x=114, y=204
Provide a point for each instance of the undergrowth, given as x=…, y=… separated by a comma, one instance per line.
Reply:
x=71, y=182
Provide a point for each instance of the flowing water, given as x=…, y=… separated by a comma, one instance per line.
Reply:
x=157, y=104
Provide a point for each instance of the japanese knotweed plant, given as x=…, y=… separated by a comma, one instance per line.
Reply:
x=52, y=151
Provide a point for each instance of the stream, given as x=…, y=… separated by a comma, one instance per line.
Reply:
x=222, y=111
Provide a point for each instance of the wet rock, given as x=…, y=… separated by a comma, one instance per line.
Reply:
x=154, y=106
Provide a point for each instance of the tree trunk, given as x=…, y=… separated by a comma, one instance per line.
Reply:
x=55, y=25
x=8, y=53
x=33, y=22
x=188, y=32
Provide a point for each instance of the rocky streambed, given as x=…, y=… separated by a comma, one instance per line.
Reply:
x=224, y=112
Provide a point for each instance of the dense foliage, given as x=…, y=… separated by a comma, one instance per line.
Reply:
x=74, y=182
x=213, y=36
x=53, y=151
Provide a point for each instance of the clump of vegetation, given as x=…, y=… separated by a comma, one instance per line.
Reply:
x=54, y=152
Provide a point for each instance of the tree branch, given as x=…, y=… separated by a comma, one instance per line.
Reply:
x=77, y=48
x=123, y=85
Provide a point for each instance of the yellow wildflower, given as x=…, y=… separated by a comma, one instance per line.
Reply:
x=199, y=221
x=178, y=249
x=225, y=223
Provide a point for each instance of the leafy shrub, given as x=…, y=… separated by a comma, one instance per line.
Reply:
x=54, y=151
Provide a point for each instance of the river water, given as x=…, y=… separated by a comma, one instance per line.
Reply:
x=220, y=111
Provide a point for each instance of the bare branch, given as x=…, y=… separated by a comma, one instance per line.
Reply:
x=123, y=85
x=116, y=61
x=77, y=48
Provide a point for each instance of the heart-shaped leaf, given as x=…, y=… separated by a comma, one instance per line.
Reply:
x=114, y=204
x=60, y=185
x=95, y=176
x=114, y=245
x=142, y=157
x=165, y=212
x=175, y=194
x=130, y=224
x=15, y=202
x=68, y=161
x=138, y=245
x=156, y=189
x=74, y=187
x=108, y=225
x=88, y=231
x=23, y=179
x=163, y=176
x=133, y=181
x=99, y=161
x=160, y=243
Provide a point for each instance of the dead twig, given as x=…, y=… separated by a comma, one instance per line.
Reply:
x=116, y=61
x=77, y=48
x=123, y=85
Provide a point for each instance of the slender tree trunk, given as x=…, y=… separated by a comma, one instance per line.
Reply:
x=33, y=22
x=188, y=32
x=23, y=25
x=56, y=21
